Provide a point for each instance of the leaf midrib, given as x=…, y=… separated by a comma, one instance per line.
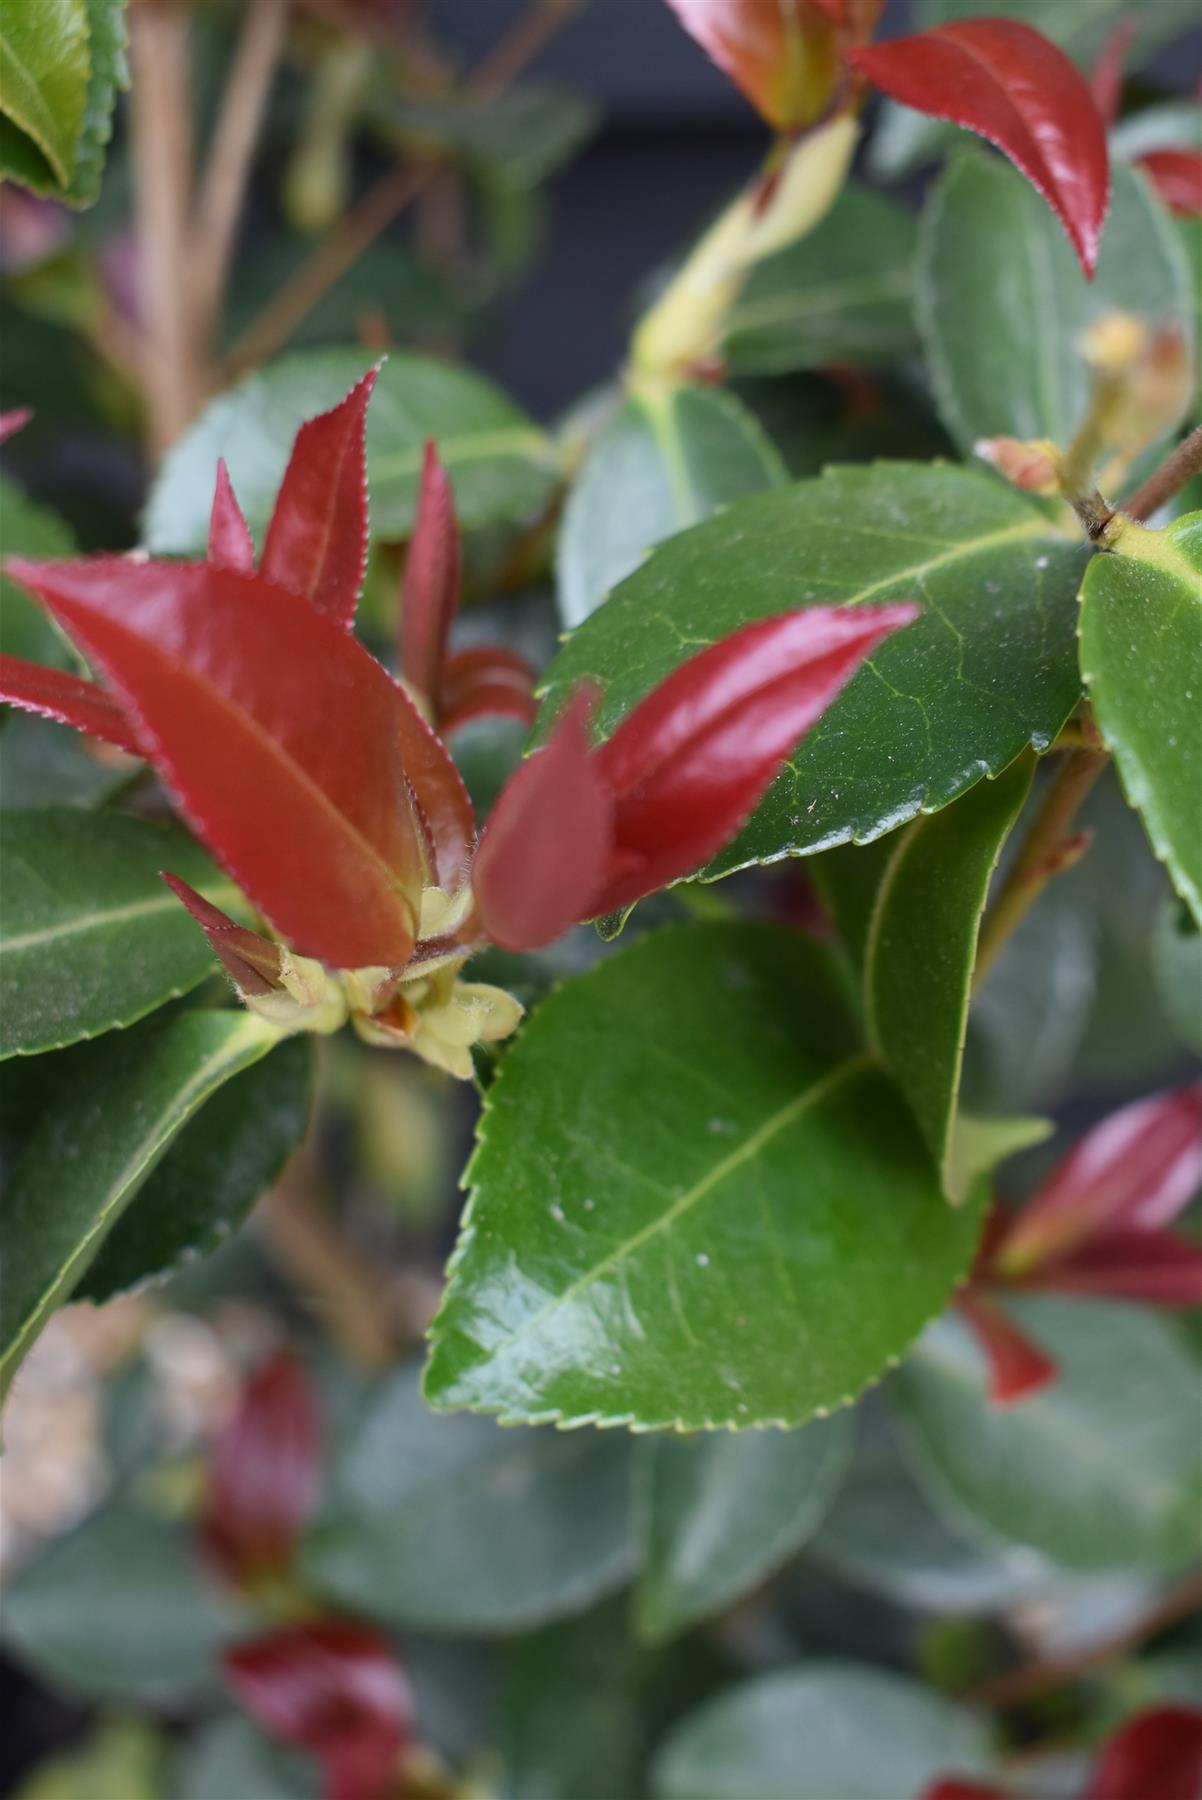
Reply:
x=136, y=909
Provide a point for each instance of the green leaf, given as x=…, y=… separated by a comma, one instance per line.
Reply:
x=455, y=1525
x=979, y=1146
x=1141, y=656
x=910, y=907
x=668, y=458
x=121, y=1610
x=990, y=668
x=1177, y=964
x=109, y=71
x=87, y=1157
x=828, y=1731
x=91, y=937
x=502, y=465
x=25, y=629
x=121, y=1758
x=231, y=1756
x=44, y=65
x=523, y=135
x=1099, y=1471
x=43, y=766
x=1080, y=26
x=694, y=1202
x=222, y=1161
x=842, y=294
x=1002, y=303
x=720, y=1514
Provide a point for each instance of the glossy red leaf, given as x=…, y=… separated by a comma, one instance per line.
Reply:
x=264, y=1475
x=335, y=1688
x=1110, y=70
x=780, y=53
x=14, y=420
x=1156, y=1756
x=486, y=681
x=692, y=760
x=230, y=542
x=547, y=843
x=252, y=961
x=55, y=694
x=316, y=542
x=1018, y=1367
x=430, y=590
x=1138, y=1169
x=1006, y=81
x=1153, y=1268
x=278, y=734
x=440, y=799
x=1177, y=177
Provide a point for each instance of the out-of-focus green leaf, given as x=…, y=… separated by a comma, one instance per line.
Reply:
x=233, y=1758
x=525, y=134
x=122, y=1758
x=44, y=766
x=1177, y=961
x=29, y=530
x=1079, y=26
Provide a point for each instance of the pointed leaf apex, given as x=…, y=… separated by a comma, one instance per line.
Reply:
x=430, y=591
x=252, y=962
x=230, y=543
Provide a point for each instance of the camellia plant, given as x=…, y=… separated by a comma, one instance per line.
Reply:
x=765, y=807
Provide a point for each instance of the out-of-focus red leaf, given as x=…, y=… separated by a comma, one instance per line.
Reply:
x=782, y=54
x=430, y=591
x=1006, y=81
x=251, y=961
x=230, y=543
x=55, y=694
x=952, y=1788
x=1154, y=1268
x=265, y=1472
x=546, y=845
x=1018, y=1367
x=1155, y=1756
x=1138, y=1169
x=692, y=760
x=317, y=540
x=14, y=420
x=485, y=681
x=278, y=734
x=1177, y=177
x=1109, y=71
x=333, y=1687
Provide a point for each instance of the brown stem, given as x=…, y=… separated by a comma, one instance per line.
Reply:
x=343, y=1288
x=162, y=154
x=1172, y=475
x=223, y=189
x=1051, y=846
x=1018, y=1685
x=529, y=38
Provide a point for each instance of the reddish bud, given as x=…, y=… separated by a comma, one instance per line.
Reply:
x=13, y=421
x=1177, y=177
x=334, y=1688
x=68, y=698
x=264, y=1476
x=1018, y=1367
x=1156, y=1756
x=230, y=545
x=430, y=591
x=782, y=54
x=251, y=961
x=1008, y=82
x=486, y=681
x=316, y=543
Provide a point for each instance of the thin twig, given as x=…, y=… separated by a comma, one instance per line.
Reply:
x=223, y=189
x=1172, y=475
x=162, y=153
x=1051, y=846
x=343, y=1288
x=517, y=50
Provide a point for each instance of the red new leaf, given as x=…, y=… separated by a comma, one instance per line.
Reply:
x=317, y=539
x=1017, y=1366
x=1109, y=71
x=278, y=734
x=335, y=1688
x=430, y=592
x=68, y=698
x=1156, y=1756
x=1177, y=177
x=264, y=1475
x=251, y=961
x=780, y=53
x=1009, y=83
x=544, y=850
x=439, y=796
x=952, y=1788
x=230, y=544
x=486, y=681
x=1152, y=1268
x=692, y=760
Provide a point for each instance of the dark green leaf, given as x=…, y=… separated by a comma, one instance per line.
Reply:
x=910, y=908
x=86, y=1158
x=91, y=937
x=681, y=1214
x=121, y=1610
x=1177, y=961
x=109, y=71
x=501, y=463
x=1099, y=1471
x=30, y=530
x=1002, y=302
x=1080, y=26
x=1141, y=656
x=668, y=458
x=523, y=135
x=990, y=667
x=233, y=1758
x=828, y=1731
x=843, y=294
x=44, y=65
x=455, y=1525
x=218, y=1166
x=43, y=765
x=721, y=1514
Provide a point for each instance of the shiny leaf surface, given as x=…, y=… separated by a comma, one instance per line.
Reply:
x=66, y=698
x=44, y=65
